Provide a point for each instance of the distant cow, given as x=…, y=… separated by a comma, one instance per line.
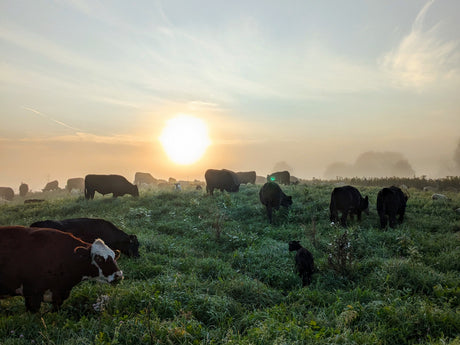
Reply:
x=106, y=184
x=45, y=264
x=141, y=177
x=304, y=262
x=88, y=229
x=221, y=179
x=6, y=193
x=281, y=177
x=23, y=189
x=75, y=183
x=391, y=202
x=50, y=186
x=246, y=177
x=272, y=197
x=348, y=200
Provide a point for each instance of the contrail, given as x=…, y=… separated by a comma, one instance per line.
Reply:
x=50, y=118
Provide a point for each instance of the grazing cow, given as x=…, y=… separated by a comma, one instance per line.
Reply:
x=246, y=177
x=391, y=202
x=348, y=200
x=141, y=177
x=89, y=229
x=45, y=264
x=304, y=262
x=221, y=179
x=272, y=196
x=75, y=183
x=23, y=189
x=437, y=196
x=6, y=193
x=281, y=177
x=106, y=184
x=50, y=186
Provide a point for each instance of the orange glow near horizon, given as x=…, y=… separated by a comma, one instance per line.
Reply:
x=185, y=139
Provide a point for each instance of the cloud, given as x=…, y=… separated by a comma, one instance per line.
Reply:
x=422, y=57
x=50, y=118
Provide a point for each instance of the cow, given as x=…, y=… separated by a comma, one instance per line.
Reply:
x=246, y=177
x=75, y=183
x=348, y=200
x=23, y=189
x=304, y=262
x=89, y=229
x=6, y=193
x=391, y=202
x=50, y=186
x=141, y=177
x=106, y=184
x=281, y=177
x=221, y=179
x=271, y=196
x=45, y=264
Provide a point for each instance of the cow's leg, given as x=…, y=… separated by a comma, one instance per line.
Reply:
x=343, y=219
x=334, y=215
x=58, y=298
x=401, y=212
x=269, y=213
x=383, y=220
x=392, y=218
x=33, y=302
x=359, y=215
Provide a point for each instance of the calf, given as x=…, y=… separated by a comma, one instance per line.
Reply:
x=391, y=202
x=272, y=196
x=348, y=200
x=88, y=229
x=45, y=264
x=304, y=262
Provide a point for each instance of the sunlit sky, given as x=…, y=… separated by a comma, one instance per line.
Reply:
x=87, y=86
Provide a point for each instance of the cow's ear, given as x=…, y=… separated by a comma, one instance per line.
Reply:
x=81, y=252
x=117, y=254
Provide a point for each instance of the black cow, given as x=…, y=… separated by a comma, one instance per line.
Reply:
x=391, y=202
x=304, y=262
x=23, y=189
x=348, y=200
x=272, y=196
x=88, y=229
x=221, y=179
x=246, y=177
x=281, y=177
x=106, y=184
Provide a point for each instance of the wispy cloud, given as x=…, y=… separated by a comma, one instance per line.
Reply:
x=422, y=57
x=51, y=119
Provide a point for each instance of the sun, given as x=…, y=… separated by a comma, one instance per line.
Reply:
x=185, y=139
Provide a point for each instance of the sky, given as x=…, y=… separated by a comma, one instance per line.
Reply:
x=87, y=86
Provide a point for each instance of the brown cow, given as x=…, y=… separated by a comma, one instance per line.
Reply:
x=45, y=264
x=75, y=183
x=50, y=186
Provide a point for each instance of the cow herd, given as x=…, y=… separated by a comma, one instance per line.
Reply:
x=88, y=248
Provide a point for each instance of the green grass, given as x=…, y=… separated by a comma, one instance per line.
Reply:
x=213, y=271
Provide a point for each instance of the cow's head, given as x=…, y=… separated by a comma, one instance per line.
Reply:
x=130, y=247
x=294, y=245
x=104, y=259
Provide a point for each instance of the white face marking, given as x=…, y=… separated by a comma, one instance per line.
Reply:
x=100, y=248
x=48, y=296
x=20, y=290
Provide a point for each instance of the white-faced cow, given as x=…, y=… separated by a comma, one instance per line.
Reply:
x=89, y=229
x=272, y=197
x=45, y=264
x=221, y=179
x=391, y=202
x=348, y=200
x=106, y=184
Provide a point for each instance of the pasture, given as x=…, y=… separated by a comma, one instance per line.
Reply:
x=213, y=271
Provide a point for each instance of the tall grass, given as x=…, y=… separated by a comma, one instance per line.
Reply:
x=213, y=271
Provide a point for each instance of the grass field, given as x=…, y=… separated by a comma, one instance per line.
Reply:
x=213, y=271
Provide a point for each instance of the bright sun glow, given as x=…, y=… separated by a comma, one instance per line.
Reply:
x=185, y=139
